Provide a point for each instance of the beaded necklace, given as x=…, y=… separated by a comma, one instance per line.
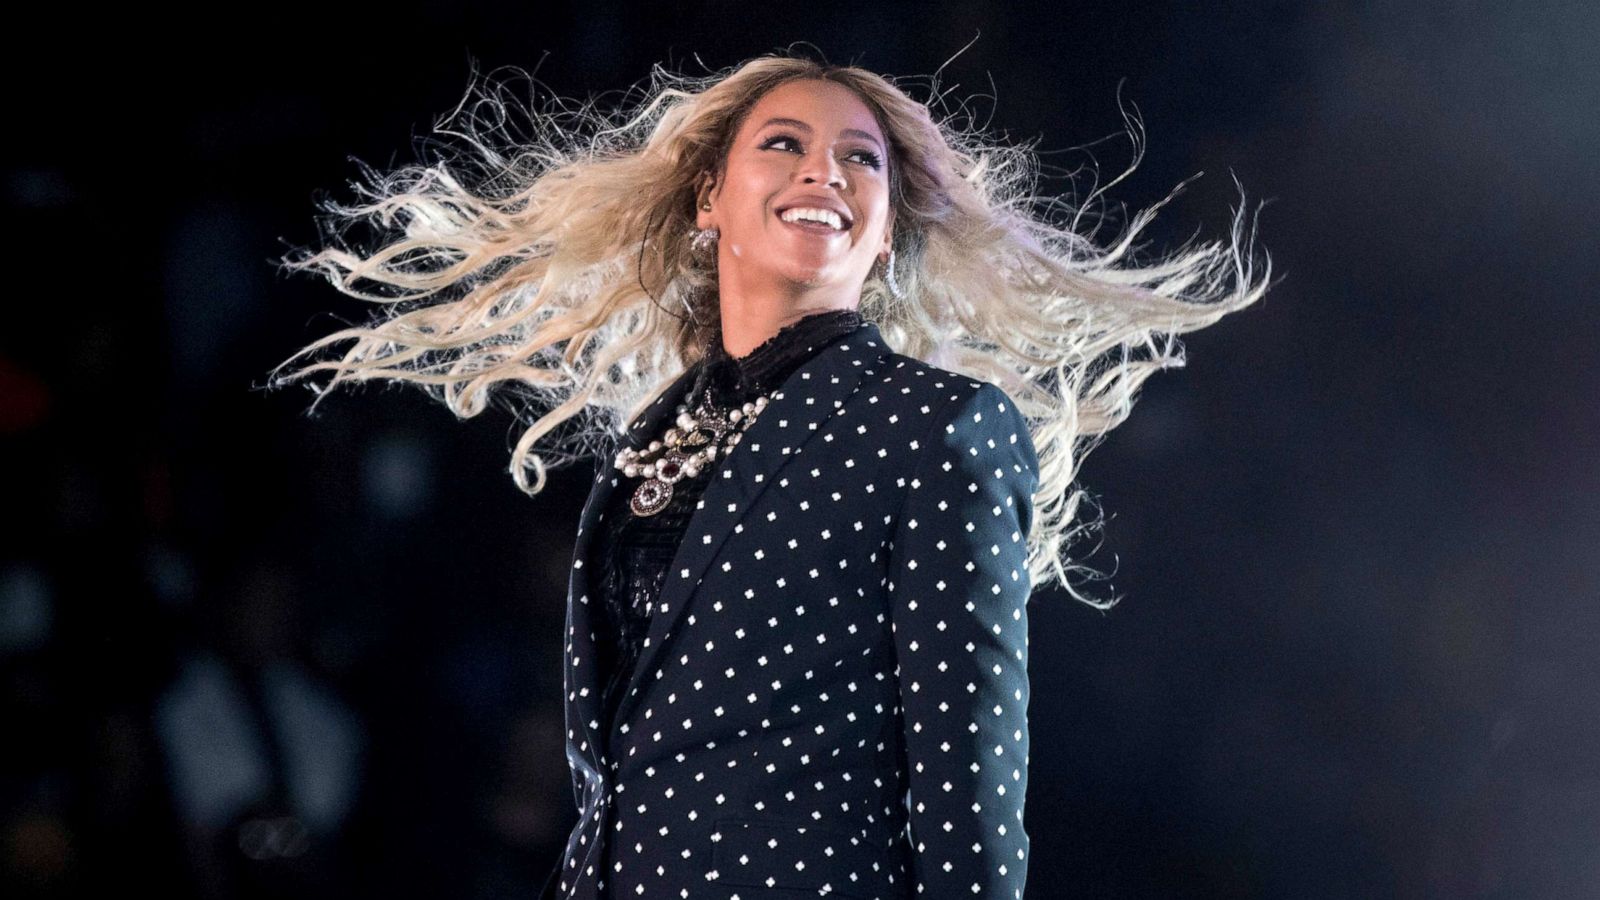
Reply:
x=703, y=430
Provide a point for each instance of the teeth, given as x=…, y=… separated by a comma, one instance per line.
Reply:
x=826, y=216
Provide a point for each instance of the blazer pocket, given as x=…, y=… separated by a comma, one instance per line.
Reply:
x=758, y=853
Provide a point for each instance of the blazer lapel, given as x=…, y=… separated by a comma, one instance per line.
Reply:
x=795, y=413
x=587, y=685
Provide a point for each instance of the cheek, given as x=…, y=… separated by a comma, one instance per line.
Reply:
x=755, y=185
x=880, y=212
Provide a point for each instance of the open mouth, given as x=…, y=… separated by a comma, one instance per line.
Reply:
x=814, y=220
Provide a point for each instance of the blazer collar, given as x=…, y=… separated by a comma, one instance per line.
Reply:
x=813, y=394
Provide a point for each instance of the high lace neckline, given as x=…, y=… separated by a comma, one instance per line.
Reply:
x=738, y=379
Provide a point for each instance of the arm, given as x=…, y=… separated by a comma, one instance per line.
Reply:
x=959, y=588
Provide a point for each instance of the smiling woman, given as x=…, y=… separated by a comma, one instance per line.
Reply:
x=848, y=377
x=801, y=205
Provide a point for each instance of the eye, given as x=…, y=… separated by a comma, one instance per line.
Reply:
x=778, y=139
x=869, y=158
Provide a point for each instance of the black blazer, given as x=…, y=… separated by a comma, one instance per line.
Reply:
x=838, y=655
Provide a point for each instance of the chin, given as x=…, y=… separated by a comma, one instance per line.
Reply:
x=807, y=280
x=813, y=275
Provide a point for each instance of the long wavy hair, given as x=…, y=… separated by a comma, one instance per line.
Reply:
x=554, y=267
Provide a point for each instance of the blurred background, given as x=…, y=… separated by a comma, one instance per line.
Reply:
x=252, y=653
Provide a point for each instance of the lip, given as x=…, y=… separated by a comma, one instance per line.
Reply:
x=817, y=201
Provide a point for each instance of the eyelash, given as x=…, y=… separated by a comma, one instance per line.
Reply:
x=872, y=159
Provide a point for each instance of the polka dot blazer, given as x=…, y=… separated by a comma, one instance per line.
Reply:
x=833, y=696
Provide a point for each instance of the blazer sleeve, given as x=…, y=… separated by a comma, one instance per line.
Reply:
x=959, y=588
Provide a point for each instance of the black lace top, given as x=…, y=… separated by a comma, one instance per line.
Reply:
x=638, y=550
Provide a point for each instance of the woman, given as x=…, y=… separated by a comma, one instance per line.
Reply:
x=796, y=633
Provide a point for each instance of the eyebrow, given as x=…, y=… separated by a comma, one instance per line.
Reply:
x=848, y=132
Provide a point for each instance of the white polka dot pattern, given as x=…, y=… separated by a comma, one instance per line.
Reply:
x=832, y=699
x=958, y=598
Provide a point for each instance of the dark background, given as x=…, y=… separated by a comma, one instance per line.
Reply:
x=251, y=653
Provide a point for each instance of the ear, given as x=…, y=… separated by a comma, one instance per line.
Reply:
x=888, y=235
x=705, y=188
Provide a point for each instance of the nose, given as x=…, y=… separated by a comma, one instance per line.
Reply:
x=820, y=167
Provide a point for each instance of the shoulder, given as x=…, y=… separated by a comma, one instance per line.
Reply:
x=910, y=380
x=960, y=412
x=947, y=394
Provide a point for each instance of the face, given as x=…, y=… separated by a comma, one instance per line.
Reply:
x=806, y=145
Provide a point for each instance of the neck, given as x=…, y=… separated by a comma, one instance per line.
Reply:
x=750, y=319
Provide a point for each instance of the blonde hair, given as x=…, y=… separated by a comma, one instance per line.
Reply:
x=559, y=267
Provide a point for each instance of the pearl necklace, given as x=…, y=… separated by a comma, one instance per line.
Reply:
x=685, y=450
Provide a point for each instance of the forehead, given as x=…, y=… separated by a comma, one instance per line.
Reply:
x=824, y=105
